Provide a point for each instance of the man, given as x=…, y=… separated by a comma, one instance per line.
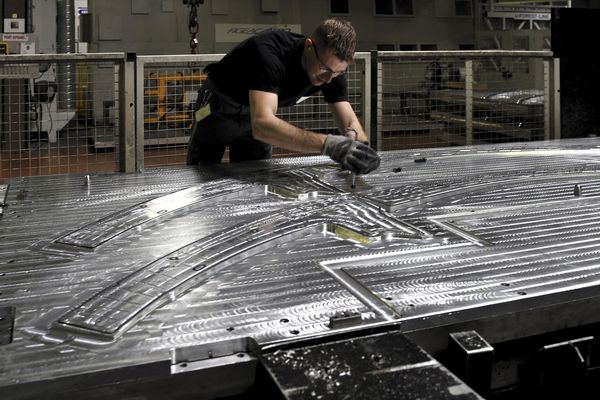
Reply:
x=236, y=106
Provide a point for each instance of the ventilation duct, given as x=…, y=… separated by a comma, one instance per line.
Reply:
x=65, y=44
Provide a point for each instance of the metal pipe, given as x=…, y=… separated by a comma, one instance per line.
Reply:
x=29, y=20
x=65, y=43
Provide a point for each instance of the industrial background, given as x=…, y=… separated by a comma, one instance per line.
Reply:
x=63, y=107
x=465, y=267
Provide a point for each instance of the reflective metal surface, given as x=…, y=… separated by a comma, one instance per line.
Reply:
x=273, y=251
x=3, y=192
x=7, y=319
x=384, y=367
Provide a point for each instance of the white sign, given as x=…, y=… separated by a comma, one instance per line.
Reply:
x=235, y=33
x=15, y=37
x=12, y=25
x=520, y=15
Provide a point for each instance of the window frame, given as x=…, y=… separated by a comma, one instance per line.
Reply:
x=428, y=47
x=395, y=12
x=338, y=13
x=470, y=15
x=382, y=47
x=408, y=47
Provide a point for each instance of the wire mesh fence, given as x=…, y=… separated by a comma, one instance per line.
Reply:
x=57, y=114
x=169, y=92
x=435, y=99
x=62, y=114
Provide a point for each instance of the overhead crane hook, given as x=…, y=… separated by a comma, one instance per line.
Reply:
x=193, y=22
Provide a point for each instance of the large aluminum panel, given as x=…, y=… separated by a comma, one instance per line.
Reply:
x=119, y=270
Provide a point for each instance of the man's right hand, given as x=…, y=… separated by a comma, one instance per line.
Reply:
x=352, y=155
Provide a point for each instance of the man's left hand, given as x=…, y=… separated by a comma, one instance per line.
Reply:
x=353, y=155
x=361, y=159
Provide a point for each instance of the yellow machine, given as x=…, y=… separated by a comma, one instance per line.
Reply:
x=167, y=97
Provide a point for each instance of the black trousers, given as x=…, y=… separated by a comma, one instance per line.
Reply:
x=227, y=124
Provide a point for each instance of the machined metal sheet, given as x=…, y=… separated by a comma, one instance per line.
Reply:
x=380, y=367
x=95, y=234
x=275, y=251
x=125, y=302
x=301, y=184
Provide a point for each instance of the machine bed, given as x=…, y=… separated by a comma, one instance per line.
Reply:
x=123, y=279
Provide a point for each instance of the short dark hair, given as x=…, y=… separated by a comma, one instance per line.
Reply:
x=338, y=36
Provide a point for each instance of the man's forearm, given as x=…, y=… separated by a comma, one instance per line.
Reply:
x=345, y=118
x=280, y=133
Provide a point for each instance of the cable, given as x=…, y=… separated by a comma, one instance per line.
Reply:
x=193, y=22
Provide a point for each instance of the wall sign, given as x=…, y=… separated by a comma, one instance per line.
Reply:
x=235, y=33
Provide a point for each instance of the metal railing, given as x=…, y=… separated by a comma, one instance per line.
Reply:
x=166, y=90
x=118, y=112
x=53, y=108
x=456, y=98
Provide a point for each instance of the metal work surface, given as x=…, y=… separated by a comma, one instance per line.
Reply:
x=383, y=366
x=122, y=270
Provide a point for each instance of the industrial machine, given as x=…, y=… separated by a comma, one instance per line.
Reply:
x=169, y=99
x=452, y=273
x=38, y=100
x=30, y=106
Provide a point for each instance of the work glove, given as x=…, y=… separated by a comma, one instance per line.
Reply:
x=353, y=155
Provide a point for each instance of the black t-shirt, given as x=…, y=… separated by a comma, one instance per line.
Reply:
x=271, y=62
